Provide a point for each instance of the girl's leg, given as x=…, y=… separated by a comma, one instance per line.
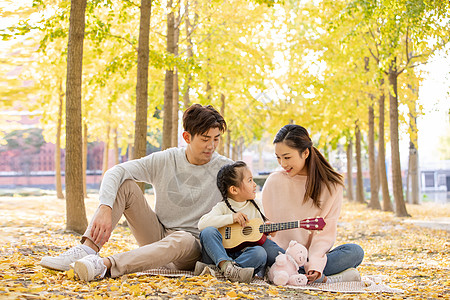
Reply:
x=213, y=251
x=252, y=257
x=272, y=250
x=343, y=257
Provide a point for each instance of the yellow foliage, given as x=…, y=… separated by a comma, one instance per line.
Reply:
x=414, y=259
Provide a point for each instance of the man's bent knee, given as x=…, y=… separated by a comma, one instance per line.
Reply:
x=183, y=237
x=129, y=184
x=189, y=247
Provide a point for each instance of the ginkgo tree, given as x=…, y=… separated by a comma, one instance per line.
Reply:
x=400, y=35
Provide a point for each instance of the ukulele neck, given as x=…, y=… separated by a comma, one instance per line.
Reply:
x=267, y=228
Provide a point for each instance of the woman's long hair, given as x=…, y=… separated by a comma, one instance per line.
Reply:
x=232, y=175
x=319, y=169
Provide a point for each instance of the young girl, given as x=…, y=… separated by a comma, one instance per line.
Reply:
x=235, y=183
x=308, y=187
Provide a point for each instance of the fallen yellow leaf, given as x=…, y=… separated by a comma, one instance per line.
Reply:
x=70, y=274
x=232, y=294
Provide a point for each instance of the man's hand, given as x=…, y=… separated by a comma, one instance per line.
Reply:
x=312, y=276
x=102, y=225
x=240, y=218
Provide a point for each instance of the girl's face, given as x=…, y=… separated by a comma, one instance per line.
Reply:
x=246, y=190
x=291, y=160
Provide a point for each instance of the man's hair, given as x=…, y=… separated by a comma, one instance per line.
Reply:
x=198, y=119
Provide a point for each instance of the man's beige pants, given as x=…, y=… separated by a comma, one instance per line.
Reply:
x=157, y=246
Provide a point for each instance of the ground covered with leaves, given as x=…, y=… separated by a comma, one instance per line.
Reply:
x=412, y=258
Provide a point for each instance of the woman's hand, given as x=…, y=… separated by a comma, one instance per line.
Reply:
x=102, y=225
x=240, y=218
x=312, y=276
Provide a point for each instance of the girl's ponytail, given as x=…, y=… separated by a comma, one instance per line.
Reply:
x=222, y=184
x=229, y=176
x=256, y=205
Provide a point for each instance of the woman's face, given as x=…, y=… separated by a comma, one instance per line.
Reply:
x=291, y=160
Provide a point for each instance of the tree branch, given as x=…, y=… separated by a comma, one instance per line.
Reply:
x=180, y=17
x=122, y=38
x=376, y=44
x=131, y=3
x=406, y=45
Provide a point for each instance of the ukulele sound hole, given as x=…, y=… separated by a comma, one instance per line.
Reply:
x=247, y=230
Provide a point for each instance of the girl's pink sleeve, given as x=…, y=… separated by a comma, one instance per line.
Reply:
x=322, y=241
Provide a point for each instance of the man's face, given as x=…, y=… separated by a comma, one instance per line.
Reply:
x=202, y=146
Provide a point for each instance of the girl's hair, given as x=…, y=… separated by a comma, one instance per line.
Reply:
x=232, y=175
x=319, y=169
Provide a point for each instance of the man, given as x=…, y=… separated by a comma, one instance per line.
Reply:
x=184, y=180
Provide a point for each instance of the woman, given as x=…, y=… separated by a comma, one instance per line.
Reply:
x=309, y=187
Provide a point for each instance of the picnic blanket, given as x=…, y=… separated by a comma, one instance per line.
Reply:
x=368, y=284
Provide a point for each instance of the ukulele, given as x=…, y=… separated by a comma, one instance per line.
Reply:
x=235, y=237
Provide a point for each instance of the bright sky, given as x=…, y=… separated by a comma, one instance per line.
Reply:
x=434, y=95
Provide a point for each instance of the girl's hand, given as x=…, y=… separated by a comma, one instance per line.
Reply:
x=273, y=233
x=240, y=218
x=312, y=276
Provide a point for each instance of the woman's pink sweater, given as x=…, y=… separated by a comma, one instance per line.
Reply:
x=282, y=198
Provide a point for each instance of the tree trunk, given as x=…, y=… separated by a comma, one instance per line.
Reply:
x=59, y=192
x=75, y=209
x=116, y=146
x=234, y=155
x=228, y=144
x=85, y=143
x=168, y=81
x=130, y=152
x=387, y=205
x=413, y=168
x=140, y=130
x=189, y=53
x=374, y=200
x=208, y=89
x=175, y=96
x=106, y=150
x=175, y=109
x=140, y=135
x=413, y=172
x=407, y=198
x=241, y=148
x=400, y=207
x=350, y=170
x=359, y=173
x=221, y=149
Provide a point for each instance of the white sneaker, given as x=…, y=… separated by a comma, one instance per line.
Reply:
x=62, y=262
x=90, y=267
x=351, y=274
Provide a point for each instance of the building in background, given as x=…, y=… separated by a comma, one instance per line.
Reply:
x=28, y=161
